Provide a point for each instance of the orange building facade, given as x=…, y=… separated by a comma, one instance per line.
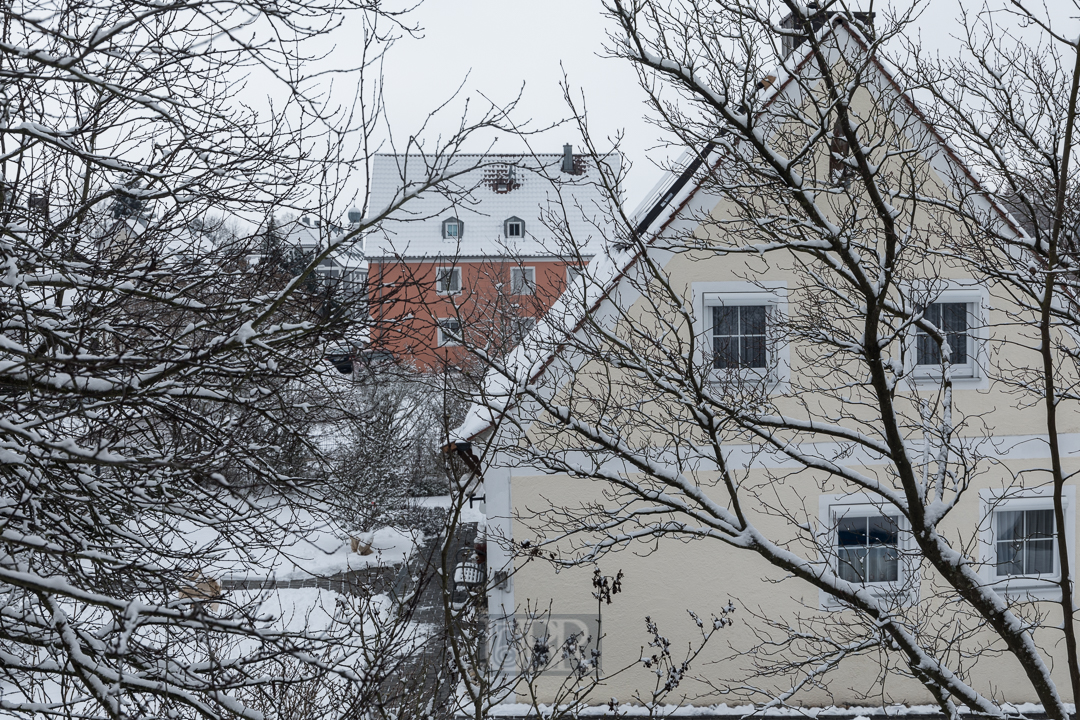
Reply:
x=479, y=264
x=426, y=310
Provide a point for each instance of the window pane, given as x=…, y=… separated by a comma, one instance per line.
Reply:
x=522, y=284
x=725, y=352
x=753, y=351
x=952, y=320
x=957, y=348
x=1040, y=557
x=927, y=350
x=1025, y=542
x=953, y=317
x=851, y=531
x=725, y=321
x=1009, y=558
x=1010, y=525
x=883, y=530
x=1040, y=523
x=867, y=548
x=932, y=314
x=882, y=564
x=753, y=319
x=852, y=564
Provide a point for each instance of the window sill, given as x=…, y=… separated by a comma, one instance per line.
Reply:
x=1027, y=588
x=964, y=382
x=772, y=382
x=897, y=592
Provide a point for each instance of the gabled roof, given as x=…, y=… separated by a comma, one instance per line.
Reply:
x=307, y=235
x=679, y=189
x=486, y=191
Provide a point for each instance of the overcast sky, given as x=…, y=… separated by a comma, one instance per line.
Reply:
x=507, y=46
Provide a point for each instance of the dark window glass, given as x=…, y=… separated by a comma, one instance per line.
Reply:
x=448, y=280
x=952, y=320
x=739, y=336
x=514, y=227
x=522, y=281
x=868, y=549
x=450, y=332
x=1024, y=542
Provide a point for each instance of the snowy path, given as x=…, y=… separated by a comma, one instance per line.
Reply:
x=427, y=672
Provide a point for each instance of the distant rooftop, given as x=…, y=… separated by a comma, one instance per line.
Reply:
x=491, y=190
x=309, y=235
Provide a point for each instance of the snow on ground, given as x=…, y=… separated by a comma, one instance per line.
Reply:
x=325, y=549
x=741, y=711
x=310, y=610
x=299, y=544
x=325, y=552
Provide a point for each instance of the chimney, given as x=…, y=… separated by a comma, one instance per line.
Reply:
x=815, y=20
x=568, y=159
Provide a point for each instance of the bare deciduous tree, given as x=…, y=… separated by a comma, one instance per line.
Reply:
x=149, y=378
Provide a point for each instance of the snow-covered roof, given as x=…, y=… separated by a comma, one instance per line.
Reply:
x=142, y=233
x=308, y=235
x=485, y=191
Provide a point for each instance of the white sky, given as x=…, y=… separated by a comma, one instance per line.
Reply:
x=503, y=46
x=507, y=46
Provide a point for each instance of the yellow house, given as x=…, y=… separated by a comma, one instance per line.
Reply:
x=799, y=417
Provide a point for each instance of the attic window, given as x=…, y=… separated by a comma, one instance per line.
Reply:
x=514, y=227
x=452, y=229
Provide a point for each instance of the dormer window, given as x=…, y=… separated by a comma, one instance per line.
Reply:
x=452, y=229
x=514, y=227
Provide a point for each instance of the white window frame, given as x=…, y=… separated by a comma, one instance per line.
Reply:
x=442, y=338
x=832, y=507
x=460, y=228
x=1035, y=587
x=455, y=273
x=573, y=272
x=528, y=281
x=513, y=220
x=976, y=297
x=771, y=294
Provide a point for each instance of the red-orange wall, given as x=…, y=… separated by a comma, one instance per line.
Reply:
x=405, y=306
